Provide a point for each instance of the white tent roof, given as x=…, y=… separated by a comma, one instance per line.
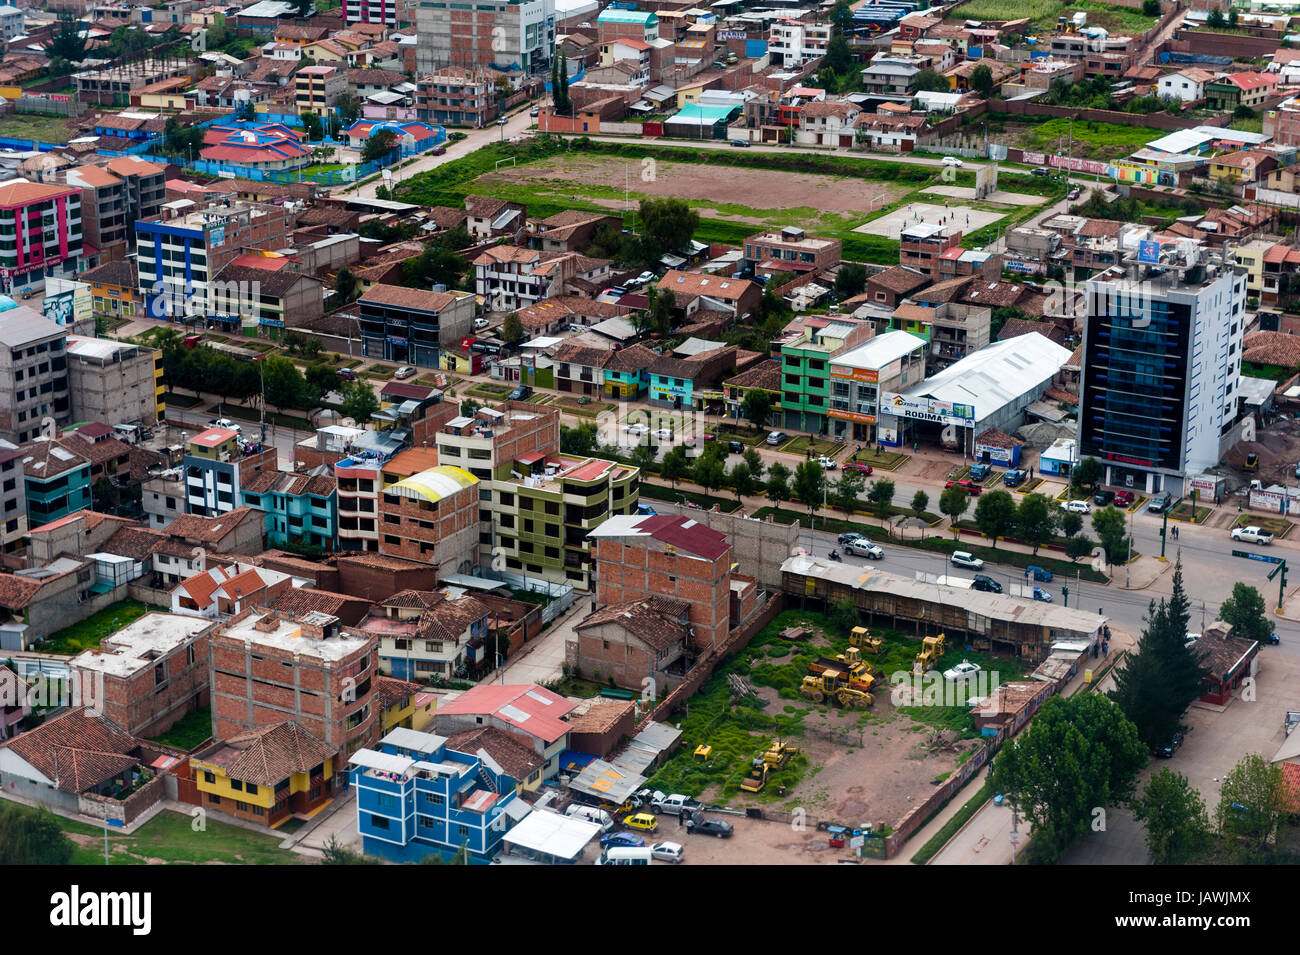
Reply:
x=563, y=837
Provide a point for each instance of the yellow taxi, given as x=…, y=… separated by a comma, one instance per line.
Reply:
x=642, y=821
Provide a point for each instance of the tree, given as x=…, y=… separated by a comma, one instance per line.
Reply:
x=742, y=480
x=932, y=82
x=847, y=490
x=335, y=853
x=244, y=111
x=778, y=483
x=311, y=124
x=349, y=109
x=838, y=58
x=1088, y=473
x=660, y=304
x=643, y=456
x=920, y=501
x=1251, y=801
x=579, y=441
x=1151, y=8
x=283, y=382
x=66, y=42
x=756, y=406
x=345, y=286
x=321, y=380
x=755, y=462
x=981, y=81
x=850, y=280
x=305, y=7
x=1174, y=815
x=32, y=837
x=674, y=465
x=1247, y=612
x=952, y=504
x=1080, y=546
x=844, y=615
x=1162, y=677
x=1071, y=524
x=379, y=145
x=512, y=329
x=1035, y=521
x=359, y=401
x=881, y=496
x=1108, y=522
x=1078, y=754
x=667, y=225
x=709, y=472
x=995, y=514
x=810, y=484
x=437, y=264
x=1232, y=18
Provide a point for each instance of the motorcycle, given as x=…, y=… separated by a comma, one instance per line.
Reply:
x=835, y=555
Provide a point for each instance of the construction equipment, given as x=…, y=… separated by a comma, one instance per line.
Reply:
x=931, y=650
x=757, y=777
x=702, y=753
x=855, y=671
x=779, y=753
x=862, y=639
x=835, y=686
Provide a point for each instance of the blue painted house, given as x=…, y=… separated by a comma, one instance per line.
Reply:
x=299, y=508
x=56, y=481
x=416, y=796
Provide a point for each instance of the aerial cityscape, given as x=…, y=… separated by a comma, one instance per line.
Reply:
x=650, y=432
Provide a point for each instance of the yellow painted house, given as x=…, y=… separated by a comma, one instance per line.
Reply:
x=265, y=775
x=403, y=704
x=113, y=289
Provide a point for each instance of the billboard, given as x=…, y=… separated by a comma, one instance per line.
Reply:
x=1149, y=252
x=849, y=373
x=925, y=408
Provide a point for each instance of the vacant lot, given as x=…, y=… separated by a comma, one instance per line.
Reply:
x=754, y=196
x=1085, y=139
x=46, y=129
x=1043, y=14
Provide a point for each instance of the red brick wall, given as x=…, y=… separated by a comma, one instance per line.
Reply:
x=377, y=583
x=136, y=703
x=444, y=533
x=627, y=571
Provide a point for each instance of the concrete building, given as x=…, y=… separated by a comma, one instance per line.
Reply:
x=530, y=712
x=806, y=348
x=13, y=498
x=508, y=35
x=57, y=480
x=300, y=508
x=457, y=96
x=114, y=196
x=1161, y=364
x=432, y=516
x=790, y=250
x=33, y=374
x=217, y=469
x=411, y=326
x=889, y=362
x=114, y=382
x=11, y=23
x=792, y=43
x=267, y=294
x=318, y=88
x=268, y=668
x=40, y=233
x=425, y=634
x=149, y=674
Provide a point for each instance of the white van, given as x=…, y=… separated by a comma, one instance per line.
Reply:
x=591, y=814
x=625, y=855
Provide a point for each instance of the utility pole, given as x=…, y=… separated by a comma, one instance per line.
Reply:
x=1129, y=563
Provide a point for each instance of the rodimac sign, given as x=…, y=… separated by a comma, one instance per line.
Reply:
x=925, y=408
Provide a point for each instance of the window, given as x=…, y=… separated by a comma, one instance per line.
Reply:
x=425, y=822
x=462, y=831
x=251, y=789
x=214, y=798
x=379, y=822
x=209, y=777
x=433, y=799
x=241, y=806
x=236, y=785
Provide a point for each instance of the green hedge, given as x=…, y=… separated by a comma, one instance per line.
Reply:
x=964, y=814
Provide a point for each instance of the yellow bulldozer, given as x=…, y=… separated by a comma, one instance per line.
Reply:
x=931, y=650
x=779, y=753
x=862, y=639
x=838, y=688
x=757, y=777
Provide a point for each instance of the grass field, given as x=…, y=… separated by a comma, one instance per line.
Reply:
x=47, y=129
x=189, y=731
x=1091, y=140
x=87, y=634
x=1043, y=14
x=169, y=838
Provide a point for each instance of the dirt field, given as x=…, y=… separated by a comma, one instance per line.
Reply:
x=756, y=189
x=1278, y=447
x=952, y=216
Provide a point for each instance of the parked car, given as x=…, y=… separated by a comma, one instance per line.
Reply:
x=1039, y=573
x=347, y=374
x=828, y=463
x=978, y=472
x=675, y=805
x=522, y=393
x=1169, y=746
x=855, y=467
x=637, y=430
x=952, y=161
x=1124, y=498
x=735, y=447
x=406, y=371
x=777, y=437
x=668, y=851
x=847, y=537
x=1074, y=194
x=643, y=798
x=969, y=486
x=480, y=323
x=964, y=558
x=1159, y=503
x=663, y=434
x=987, y=584
x=708, y=826
x=1252, y=462
x=627, y=840
x=1252, y=535
x=225, y=423
x=1043, y=595
x=1103, y=498
x=439, y=150
x=1077, y=507
x=862, y=547
x=535, y=111
x=962, y=671
x=1014, y=478
x=643, y=821
x=1040, y=171
x=742, y=143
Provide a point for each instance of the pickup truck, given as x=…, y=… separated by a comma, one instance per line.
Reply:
x=675, y=805
x=1252, y=535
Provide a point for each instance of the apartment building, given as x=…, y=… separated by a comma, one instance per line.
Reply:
x=791, y=43
x=114, y=289
x=638, y=24
x=511, y=277
x=456, y=96
x=217, y=469
x=790, y=250
x=268, y=667
x=805, y=349
x=318, y=88
x=300, y=509
x=529, y=712
x=149, y=674
x=417, y=796
x=33, y=374
x=13, y=498
x=508, y=35
x=40, y=233
x=424, y=634
x=389, y=13
x=57, y=480
x=179, y=257
x=888, y=362
x=114, y=196
x=922, y=245
x=411, y=326
x=432, y=516
x=114, y=382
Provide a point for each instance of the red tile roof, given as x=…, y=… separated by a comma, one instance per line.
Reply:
x=686, y=534
x=77, y=751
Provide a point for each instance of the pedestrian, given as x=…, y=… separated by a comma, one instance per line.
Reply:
x=916, y=446
x=1105, y=648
